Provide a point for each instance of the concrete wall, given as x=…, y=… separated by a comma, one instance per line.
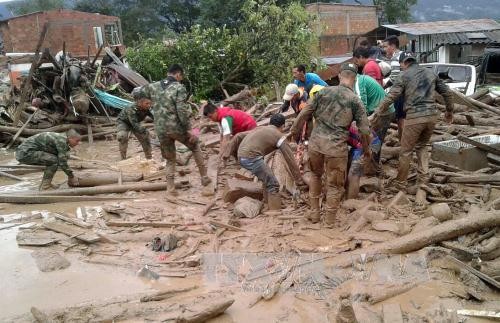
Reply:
x=21, y=34
x=339, y=26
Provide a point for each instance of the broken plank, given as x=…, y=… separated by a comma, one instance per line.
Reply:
x=207, y=208
x=475, y=272
x=72, y=231
x=142, y=224
x=479, y=145
x=74, y=221
x=476, y=179
x=47, y=199
x=205, y=311
x=392, y=313
x=17, y=178
x=224, y=225
x=162, y=295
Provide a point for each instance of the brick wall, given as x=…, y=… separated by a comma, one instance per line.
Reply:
x=339, y=25
x=21, y=34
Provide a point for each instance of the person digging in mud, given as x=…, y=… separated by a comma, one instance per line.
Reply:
x=171, y=118
x=334, y=108
x=50, y=149
x=251, y=148
x=129, y=120
x=417, y=85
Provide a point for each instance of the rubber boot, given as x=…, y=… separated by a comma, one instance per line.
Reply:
x=274, y=201
x=123, y=149
x=198, y=159
x=313, y=215
x=170, y=170
x=46, y=183
x=146, y=145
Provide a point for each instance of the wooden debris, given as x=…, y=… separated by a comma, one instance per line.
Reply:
x=476, y=179
x=224, y=225
x=386, y=293
x=205, y=312
x=74, y=221
x=165, y=294
x=237, y=189
x=142, y=224
x=17, y=178
x=483, y=314
x=46, y=199
x=475, y=272
x=392, y=226
x=444, y=231
x=207, y=208
x=479, y=145
x=399, y=199
x=71, y=231
x=392, y=313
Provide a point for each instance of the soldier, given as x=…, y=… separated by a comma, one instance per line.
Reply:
x=171, y=116
x=334, y=109
x=129, y=120
x=417, y=84
x=52, y=150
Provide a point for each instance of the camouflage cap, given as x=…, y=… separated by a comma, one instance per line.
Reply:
x=405, y=56
x=349, y=67
x=137, y=94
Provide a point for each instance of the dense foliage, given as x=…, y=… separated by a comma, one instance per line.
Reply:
x=268, y=42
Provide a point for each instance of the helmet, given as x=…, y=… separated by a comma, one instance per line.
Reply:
x=315, y=89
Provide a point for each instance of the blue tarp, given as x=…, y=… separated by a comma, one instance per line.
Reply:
x=111, y=100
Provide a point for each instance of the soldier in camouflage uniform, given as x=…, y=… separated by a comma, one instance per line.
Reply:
x=334, y=109
x=171, y=116
x=50, y=149
x=129, y=120
x=417, y=84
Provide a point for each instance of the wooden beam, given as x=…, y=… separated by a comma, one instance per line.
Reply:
x=479, y=145
x=72, y=231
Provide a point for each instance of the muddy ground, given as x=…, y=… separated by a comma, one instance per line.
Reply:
x=330, y=265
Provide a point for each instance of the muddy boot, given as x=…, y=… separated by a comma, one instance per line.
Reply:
x=333, y=198
x=123, y=149
x=170, y=170
x=48, y=175
x=198, y=159
x=313, y=215
x=146, y=145
x=205, y=180
x=274, y=201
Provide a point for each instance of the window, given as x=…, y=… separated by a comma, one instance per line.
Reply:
x=98, y=37
x=112, y=34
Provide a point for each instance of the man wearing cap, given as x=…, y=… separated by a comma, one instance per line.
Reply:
x=129, y=120
x=334, y=109
x=253, y=145
x=49, y=149
x=417, y=85
x=294, y=97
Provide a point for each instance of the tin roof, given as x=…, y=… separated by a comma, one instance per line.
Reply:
x=449, y=26
x=468, y=38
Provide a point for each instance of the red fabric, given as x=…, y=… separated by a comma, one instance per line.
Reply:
x=372, y=69
x=242, y=121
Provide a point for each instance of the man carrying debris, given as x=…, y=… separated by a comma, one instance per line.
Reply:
x=231, y=121
x=417, y=84
x=334, y=108
x=255, y=145
x=171, y=117
x=50, y=149
x=129, y=120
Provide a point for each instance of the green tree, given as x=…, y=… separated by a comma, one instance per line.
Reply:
x=29, y=6
x=267, y=43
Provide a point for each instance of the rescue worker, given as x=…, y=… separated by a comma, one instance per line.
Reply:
x=49, y=149
x=255, y=145
x=129, y=120
x=231, y=121
x=369, y=65
x=417, y=85
x=334, y=108
x=306, y=80
x=171, y=118
x=294, y=97
x=393, y=54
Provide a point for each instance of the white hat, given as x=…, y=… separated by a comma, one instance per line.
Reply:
x=290, y=91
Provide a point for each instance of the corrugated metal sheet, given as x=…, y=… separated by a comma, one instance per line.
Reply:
x=450, y=26
x=467, y=38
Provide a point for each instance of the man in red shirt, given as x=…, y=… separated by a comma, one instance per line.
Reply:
x=231, y=121
x=370, y=66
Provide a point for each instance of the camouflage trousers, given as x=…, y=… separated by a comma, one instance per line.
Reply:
x=415, y=137
x=39, y=158
x=122, y=137
x=335, y=168
x=168, y=151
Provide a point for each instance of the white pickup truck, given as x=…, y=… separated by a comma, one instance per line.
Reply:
x=460, y=77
